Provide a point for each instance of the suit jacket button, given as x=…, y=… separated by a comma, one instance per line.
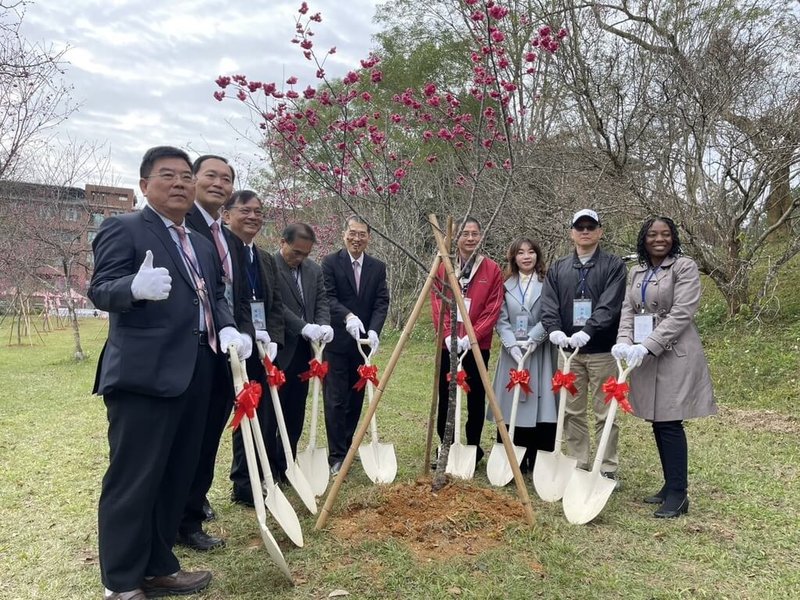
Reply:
x=194, y=332
x=195, y=301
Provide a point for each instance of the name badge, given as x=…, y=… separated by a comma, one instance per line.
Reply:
x=581, y=311
x=459, y=316
x=228, y=292
x=521, y=327
x=258, y=315
x=642, y=327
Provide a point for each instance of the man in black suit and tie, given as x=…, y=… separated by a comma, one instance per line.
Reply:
x=169, y=323
x=214, y=179
x=307, y=320
x=244, y=214
x=359, y=302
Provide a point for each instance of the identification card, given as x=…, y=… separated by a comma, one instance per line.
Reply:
x=258, y=315
x=228, y=292
x=521, y=327
x=459, y=316
x=642, y=327
x=581, y=311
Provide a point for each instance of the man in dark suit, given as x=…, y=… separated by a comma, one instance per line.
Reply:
x=244, y=215
x=169, y=322
x=359, y=302
x=214, y=179
x=307, y=320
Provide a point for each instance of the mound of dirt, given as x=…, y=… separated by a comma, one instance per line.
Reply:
x=459, y=519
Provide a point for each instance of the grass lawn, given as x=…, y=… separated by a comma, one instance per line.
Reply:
x=739, y=540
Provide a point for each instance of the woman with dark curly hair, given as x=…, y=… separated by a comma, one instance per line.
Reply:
x=520, y=321
x=658, y=333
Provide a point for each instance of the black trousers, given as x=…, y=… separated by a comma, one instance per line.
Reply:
x=342, y=403
x=533, y=439
x=476, y=398
x=673, y=451
x=154, y=447
x=219, y=410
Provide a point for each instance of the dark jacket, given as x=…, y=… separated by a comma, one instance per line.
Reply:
x=604, y=285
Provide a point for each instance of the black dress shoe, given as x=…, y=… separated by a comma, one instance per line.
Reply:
x=208, y=512
x=181, y=583
x=200, y=541
x=336, y=467
x=658, y=497
x=243, y=497
x=674, y=506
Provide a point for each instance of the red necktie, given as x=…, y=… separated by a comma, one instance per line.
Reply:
x=200, y=284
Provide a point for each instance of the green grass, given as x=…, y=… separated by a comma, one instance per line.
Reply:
x=739, y=539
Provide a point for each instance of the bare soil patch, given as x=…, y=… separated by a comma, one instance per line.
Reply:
x=761, y=420
x=459, y=519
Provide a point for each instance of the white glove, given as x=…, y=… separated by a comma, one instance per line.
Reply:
x=272, y=350
x=579, y=339
x=516, y=353
x=311, y=332
x=263, y=337
x=636, y=355
x=354, y=327
x=326, y=334
x=620, y=351
x=463, y=344
x=532, y=346
x=373, y=340
x=150, y=283
x=559, y=338
x=228, y=336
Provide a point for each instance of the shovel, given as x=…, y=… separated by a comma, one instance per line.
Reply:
x=239, y=375
x=461, y=459
x=378, y=460
x=588, y=491
x=295, y=476
x=313, y=461
x=497, y=468
x=553, y=470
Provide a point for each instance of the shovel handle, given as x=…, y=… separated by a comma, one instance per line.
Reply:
x=567, y=358
x=367, y=357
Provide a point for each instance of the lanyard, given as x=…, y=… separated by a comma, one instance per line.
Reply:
x=525, y=292
x=252, y=279
x=194, y=267
x=646, y=282
x=584, y=271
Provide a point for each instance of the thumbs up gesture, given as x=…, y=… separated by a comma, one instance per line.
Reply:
x=151, y=283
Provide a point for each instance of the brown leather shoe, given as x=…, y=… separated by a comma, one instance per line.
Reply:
x=181, y=583
x=136, y=594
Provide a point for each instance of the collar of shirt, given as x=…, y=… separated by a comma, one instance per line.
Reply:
x=209, y=219
x=359, y=260
x=168, y=223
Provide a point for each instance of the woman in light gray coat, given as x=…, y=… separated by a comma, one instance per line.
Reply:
x=657, y=331
x=520, y=321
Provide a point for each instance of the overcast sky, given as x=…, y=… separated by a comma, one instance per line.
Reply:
x=143, y=71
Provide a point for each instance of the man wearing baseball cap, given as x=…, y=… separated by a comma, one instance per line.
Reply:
x=581, y=304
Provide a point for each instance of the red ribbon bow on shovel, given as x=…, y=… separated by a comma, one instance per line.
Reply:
x=521, y=378
x=461, y=381
x=619, y=391
x=367, y=373
x=275, y=376
x=318, y=370
x=564, y=380
x=247, y=402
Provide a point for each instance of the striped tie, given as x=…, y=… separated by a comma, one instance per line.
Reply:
x=199, y=282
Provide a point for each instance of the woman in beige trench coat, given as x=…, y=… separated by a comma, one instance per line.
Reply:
x=657, y=331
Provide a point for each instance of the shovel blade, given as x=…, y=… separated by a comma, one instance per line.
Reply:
x=300, y=484
x=274, y=550
x=551, y=474
x=378, y=461
x=283, y=513
x=497, y=468
x=313, y=462
x=461, y=461
x=586, y=495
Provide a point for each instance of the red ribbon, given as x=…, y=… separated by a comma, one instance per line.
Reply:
x=275, y=376
x=619, y=391
x=521, y=378
x=564, y=380
x=461, y=381
x=247, y=402
x=367, y=373
x=318, y=370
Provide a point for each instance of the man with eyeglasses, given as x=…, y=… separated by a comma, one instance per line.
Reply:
x=169, y=325
x=244, y=215
x=214, y=179
x=359, y=302
x=581, y=305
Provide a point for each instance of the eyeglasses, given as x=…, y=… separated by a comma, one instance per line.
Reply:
x=588, y=227
x=247, y=211
x=172, y=177
x=470, y=234
x=361, y=235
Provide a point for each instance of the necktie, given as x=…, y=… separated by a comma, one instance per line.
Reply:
x=215, y=233
x=200, y=284
x=296, y=275
x=357, y=274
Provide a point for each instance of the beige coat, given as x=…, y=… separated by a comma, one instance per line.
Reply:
x=673, y=382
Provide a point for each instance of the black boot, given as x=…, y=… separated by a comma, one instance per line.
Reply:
x=674, y=505
x=659, y=496
x=675, y=460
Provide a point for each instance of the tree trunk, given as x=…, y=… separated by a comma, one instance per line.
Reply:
x=780, y=198
x=73, y=317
